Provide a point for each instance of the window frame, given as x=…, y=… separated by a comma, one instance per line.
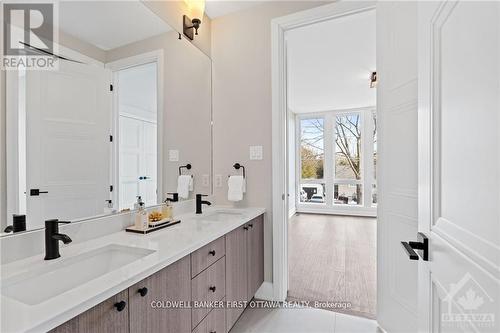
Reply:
x=329, y=146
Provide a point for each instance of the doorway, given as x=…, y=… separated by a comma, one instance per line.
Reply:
x=137, y=159
x=324, y=234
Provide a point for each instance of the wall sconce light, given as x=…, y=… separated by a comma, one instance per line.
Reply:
x=373, y=80
x=196, y=9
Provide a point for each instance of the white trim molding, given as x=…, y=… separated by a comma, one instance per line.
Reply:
x=279, y=26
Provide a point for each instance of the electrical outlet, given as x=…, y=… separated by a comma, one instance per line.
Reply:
x=218, y=180
x=205, y=180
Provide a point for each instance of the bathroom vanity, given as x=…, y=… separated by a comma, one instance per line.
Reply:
x=143, y=283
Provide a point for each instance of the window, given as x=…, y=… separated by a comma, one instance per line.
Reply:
x=348, y=150
x=312, y=158
x=338, y=156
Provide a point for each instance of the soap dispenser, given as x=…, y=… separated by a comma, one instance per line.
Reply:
x=139, y=202
x=141, y=217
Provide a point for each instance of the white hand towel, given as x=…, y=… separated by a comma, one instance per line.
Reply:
x=236, y=188
x=184, y=185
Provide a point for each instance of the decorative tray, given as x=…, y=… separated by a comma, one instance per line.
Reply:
x=153, y=227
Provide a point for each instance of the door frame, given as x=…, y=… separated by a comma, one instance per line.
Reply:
x=279, y=26
x=116, y=66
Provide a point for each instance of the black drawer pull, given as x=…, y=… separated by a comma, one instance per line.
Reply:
x=143, y=291
x=120, y=306
x=246, y=228
x=212, y=288
x=213, y=331
x=250, y=225
x=212, y=252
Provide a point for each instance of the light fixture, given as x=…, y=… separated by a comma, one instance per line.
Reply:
x=373, y=80
x=191, y=23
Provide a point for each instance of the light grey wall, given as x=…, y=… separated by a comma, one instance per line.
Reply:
x=241, y=55
x=187, y=105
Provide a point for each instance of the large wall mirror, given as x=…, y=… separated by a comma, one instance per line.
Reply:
x=127, y=110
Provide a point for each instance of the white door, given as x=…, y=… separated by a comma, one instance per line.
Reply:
x=459, y=165
x=68, y=114
x=137, y=161
x=397, y=165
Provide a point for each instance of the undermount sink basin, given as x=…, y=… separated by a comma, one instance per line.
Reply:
x=51, y=279
x=220, y=215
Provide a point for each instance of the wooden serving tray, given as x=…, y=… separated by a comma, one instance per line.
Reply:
x=157, y=226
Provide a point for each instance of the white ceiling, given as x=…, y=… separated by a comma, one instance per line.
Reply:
x=330, y=63
x=216, y=8
x=109, y=24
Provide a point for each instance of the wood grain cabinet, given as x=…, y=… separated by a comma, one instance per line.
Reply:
x=110, y=316
x=244, y=267
x=171, y=284
x=255, y=255
x=229, y=269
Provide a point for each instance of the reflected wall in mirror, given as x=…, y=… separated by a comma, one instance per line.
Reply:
x=115, y=121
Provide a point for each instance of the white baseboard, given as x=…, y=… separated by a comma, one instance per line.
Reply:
x=265, y=292
x=291, y=212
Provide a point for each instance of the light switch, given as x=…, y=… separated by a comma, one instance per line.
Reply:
x=173, y=155
x=256, y=152
x=218, y=180
x=205, y=180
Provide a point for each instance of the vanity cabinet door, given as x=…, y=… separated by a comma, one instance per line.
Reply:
x=171, y=284
x=110, y=316
x=236, y=273
x=255, y=255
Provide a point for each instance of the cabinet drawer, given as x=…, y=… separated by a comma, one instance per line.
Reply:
x=207, y=255
x=208, y=286
x=102, y=318
x=214, y=322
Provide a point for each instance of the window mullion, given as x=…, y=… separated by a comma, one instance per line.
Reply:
x=329, y=172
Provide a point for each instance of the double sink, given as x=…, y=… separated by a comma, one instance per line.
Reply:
x=51, y=279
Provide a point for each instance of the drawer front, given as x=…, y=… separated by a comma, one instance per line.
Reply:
x=207, y=255
x=208, y=286
x=214, y=322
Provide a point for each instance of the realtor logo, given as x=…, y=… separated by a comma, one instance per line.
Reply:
x=28, y=35
x=468, y=305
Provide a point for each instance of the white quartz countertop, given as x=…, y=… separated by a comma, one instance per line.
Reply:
x=169, y=245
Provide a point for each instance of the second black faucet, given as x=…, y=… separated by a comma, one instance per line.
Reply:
x=200, y=202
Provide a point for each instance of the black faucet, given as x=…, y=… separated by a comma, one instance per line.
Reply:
x=200, y=202
x=174, y=198
x=52, y=238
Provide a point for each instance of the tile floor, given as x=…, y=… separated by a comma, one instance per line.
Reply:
x=301, y=320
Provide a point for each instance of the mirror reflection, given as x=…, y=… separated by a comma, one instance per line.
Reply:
x=120, y=119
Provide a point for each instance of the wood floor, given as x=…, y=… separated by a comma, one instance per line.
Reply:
x=333, y=258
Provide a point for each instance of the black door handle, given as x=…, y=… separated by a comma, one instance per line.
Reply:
x=120, y=306
x=422, y=247
x=36, y=192
x=212, y=288
x=212, y=253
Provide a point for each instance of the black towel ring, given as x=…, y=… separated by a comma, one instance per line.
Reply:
x=187, y=166
x=237, y=166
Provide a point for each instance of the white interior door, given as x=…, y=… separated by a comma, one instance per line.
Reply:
x=137, y=161
x=67, y=142
x=459, y=165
